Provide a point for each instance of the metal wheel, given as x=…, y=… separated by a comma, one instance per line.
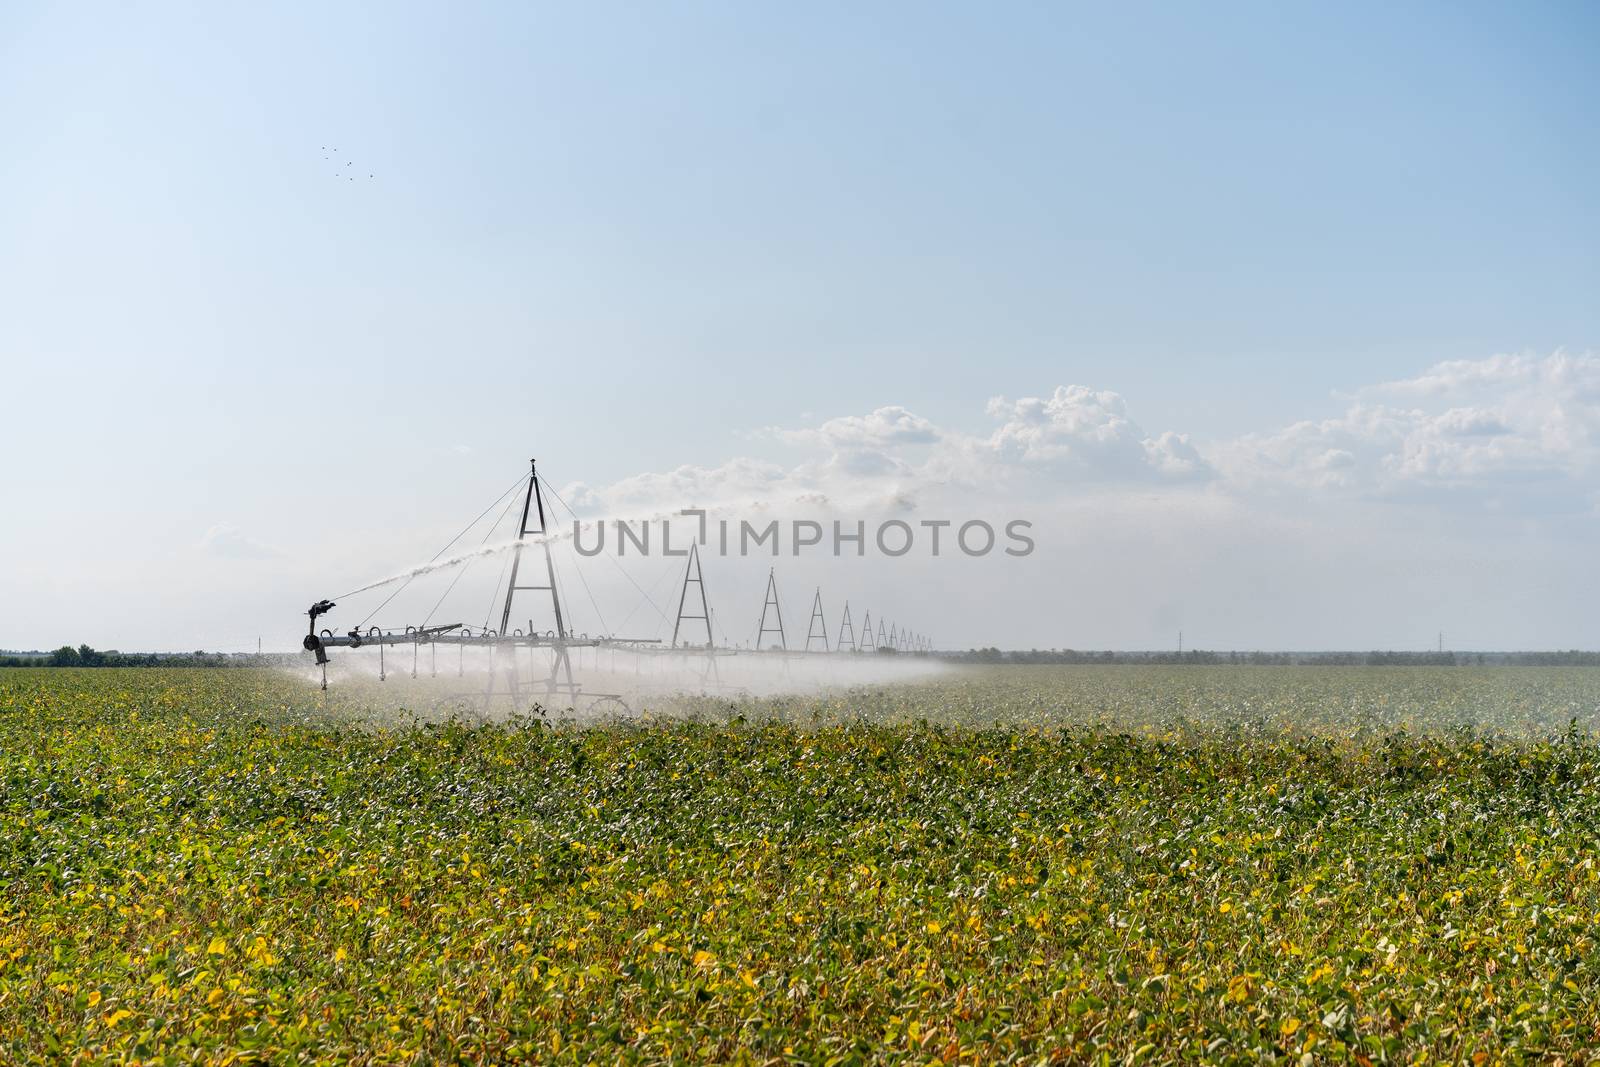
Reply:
x=610, y=707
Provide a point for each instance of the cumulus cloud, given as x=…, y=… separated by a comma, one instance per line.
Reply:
x=1501, y=428
x=885, y=427
x=889, y=459
x=1082, y=433
x=1500, y=424
x=686, y=486
x=1458, y=374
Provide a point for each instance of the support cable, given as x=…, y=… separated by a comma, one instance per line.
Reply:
x=489, y=614
x=462, y=572
x=670, y=570
x=614, y=563
x=514, y=486
x=578, y=570
x=436, y=555
x=561, y=590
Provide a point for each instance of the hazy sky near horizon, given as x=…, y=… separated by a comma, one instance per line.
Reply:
x=1279, y=322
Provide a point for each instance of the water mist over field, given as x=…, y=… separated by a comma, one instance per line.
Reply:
x=612, y=683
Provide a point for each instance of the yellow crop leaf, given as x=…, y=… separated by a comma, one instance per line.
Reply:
x=218, y=947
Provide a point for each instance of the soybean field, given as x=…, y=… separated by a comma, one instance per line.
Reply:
x=1055, y=864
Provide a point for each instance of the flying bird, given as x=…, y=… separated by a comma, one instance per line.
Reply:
x=348, y=163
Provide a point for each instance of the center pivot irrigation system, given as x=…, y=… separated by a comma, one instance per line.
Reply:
x=534, y=531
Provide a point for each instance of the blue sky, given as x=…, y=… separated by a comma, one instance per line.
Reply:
x=636, y=238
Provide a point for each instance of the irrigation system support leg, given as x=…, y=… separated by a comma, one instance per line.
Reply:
x=533, y=506
x=817, y=623
x=771, y=601
x=692, y=576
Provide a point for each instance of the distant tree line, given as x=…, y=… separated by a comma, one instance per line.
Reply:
x=86, y=656
x=1570, y=658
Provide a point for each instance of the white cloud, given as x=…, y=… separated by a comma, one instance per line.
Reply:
x=1080, y=433
x=1500, y=424
x=685, y=486
x=1456, y=375
x=885, y=427
x=1496, y=432
x=890, y=459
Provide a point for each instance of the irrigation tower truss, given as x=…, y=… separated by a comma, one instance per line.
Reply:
x=533, y=535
